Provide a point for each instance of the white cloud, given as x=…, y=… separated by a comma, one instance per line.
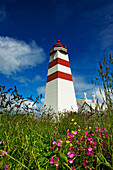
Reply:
x=41, y=90
x=100, y=96
x=25, y=80
x=22, y=79
x=16, y=55
x=82, y=86
x=37, y=78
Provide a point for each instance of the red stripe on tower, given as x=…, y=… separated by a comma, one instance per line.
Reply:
x=59, y=61
x=59, y=74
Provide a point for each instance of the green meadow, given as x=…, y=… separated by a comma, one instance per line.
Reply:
x=75, y=141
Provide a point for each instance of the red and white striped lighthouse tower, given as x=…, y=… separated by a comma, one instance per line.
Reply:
x=60, y=94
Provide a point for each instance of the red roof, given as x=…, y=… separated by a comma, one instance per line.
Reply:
x=58, y=44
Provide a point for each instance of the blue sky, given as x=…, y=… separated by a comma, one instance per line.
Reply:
x=29, y=29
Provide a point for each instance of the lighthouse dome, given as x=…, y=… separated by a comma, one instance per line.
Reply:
x=58, y=47
x=58, y=44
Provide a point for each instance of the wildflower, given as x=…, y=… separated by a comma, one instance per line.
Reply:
x=3, y=142
x=6, y=166
x=72, y=168
x=56, y=163
x=2, y=153
x=68, y=133
x=67, y=141
x=72, y=120
x=77, y=142
x=88, y=153
x=71, y=161
x=86, y=133
x=54, y=142
x=52, y=160
x=75, y=132
x=110, y=135
x=75, y=123
x=0, y=142
x=71, y=154
x=84, y=163
x=83, y=149
x=90, y=149
x=86, y=167
x=82, y=138
x=106, y=133
x=70, y=144
x=59, y=143
x=89, y=139
x=89, y=127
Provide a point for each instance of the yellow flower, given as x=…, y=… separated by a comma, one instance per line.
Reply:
x=72, y=120
x=85, y=128
x=75, y=123
x=72, y=131
x=89, y=127
x=70, y=144
x=79, y=130
x=61, y=141
x=67, y=141
x=85, y=136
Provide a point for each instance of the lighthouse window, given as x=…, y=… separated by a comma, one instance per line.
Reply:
x=52, y=58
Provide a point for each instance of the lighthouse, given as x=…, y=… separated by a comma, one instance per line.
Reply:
x=60, y=93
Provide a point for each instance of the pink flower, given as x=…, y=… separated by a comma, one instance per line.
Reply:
x=82, y=138
x=77, y=142
x=6, y=166
x=0, y=142
x=75, y=132
x=106, y=133
x=95, y=156
x=105, y=129
x=86, y=133
x=85, y=167
x=2, y=153
x=56, y=163
x=110, y=135
x=52, y=160
x=72, y=168
x=84, y=163
x=89, y=139
x=54, y=142
x=88, y=153
x=83, y=149
x=90, y=149
x=71, y=161
x=57, y=149
x=92, y=134
x=3, y=142
x=71, y=154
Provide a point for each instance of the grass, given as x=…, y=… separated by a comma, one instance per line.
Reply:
x=29, y=142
